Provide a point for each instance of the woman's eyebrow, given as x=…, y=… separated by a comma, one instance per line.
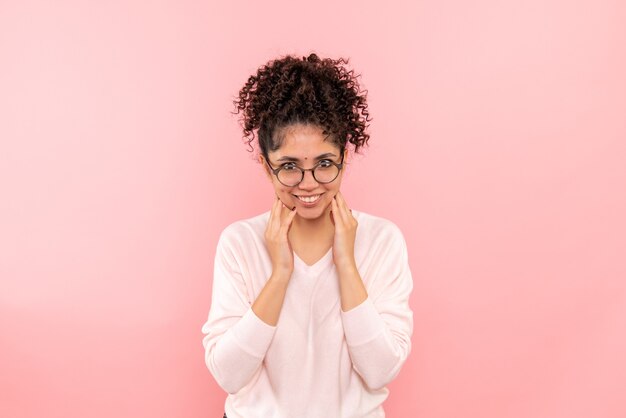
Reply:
x=319, y=157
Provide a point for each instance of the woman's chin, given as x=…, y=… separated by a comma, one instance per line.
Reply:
x=312, y=213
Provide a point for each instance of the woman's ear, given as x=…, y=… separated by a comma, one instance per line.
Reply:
x=266, y=169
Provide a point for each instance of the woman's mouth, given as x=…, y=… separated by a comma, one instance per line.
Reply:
x=310, y=200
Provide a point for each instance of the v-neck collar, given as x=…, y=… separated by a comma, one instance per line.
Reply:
x=316, y=268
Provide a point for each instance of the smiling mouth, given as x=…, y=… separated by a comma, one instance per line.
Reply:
x=309, y=199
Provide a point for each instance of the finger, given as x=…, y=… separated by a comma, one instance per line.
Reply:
x=272, y=212
x=342, y=201
x=286, y=210
x=278, y=217
x=292, y=214
x=286, y=224
x=340, y=214
x=337, y=218
x=346, y=211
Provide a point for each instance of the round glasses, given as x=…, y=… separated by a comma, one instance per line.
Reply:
x=290, y=175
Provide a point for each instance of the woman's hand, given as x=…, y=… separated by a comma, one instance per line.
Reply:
x=345, y=233
x=276, y=238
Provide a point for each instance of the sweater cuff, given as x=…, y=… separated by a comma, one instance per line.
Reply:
x=252, y=334
x=362, y=323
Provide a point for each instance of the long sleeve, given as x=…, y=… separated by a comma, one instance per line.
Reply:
x=236, y=340
x=378, y=331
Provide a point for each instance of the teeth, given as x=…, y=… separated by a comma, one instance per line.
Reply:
x=310, y=199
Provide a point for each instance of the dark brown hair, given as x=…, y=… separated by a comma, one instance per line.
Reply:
x=310, y=90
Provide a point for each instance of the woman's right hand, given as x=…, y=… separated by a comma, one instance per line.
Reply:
x=277, y=240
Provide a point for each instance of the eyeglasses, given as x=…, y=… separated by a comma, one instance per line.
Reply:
x=290, y=175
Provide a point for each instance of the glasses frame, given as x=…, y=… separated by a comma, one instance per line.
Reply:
x=302, y=170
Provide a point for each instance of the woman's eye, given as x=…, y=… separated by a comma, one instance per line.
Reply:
x=288, y=166
x=325, y=163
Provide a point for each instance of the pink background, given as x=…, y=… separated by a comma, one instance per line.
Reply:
x=498, y=146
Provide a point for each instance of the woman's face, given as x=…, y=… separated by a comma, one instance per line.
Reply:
x=304, y=146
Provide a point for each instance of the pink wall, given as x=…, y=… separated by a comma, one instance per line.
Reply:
x=498, y=146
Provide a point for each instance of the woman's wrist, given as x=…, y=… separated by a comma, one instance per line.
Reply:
x=346, y=268
x=281, y=275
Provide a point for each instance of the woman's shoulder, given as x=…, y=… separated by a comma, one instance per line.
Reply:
x=246, y=227
x=375, y=226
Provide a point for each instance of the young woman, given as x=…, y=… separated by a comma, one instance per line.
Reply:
x=310, y=311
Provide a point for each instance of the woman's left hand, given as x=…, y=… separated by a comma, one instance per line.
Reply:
x=345, y=233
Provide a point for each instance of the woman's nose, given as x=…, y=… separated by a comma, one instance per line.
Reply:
x=308, y=181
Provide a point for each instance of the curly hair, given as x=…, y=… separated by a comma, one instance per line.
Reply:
x=311, y=90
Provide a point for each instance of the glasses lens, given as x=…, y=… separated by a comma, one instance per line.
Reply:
x=326, y=172
x=289, y=176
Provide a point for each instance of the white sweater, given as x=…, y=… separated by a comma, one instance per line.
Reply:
x=318, y=361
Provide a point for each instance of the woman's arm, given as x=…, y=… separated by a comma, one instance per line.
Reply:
x=269, y=303
x=378, y=331
x=238, y=334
